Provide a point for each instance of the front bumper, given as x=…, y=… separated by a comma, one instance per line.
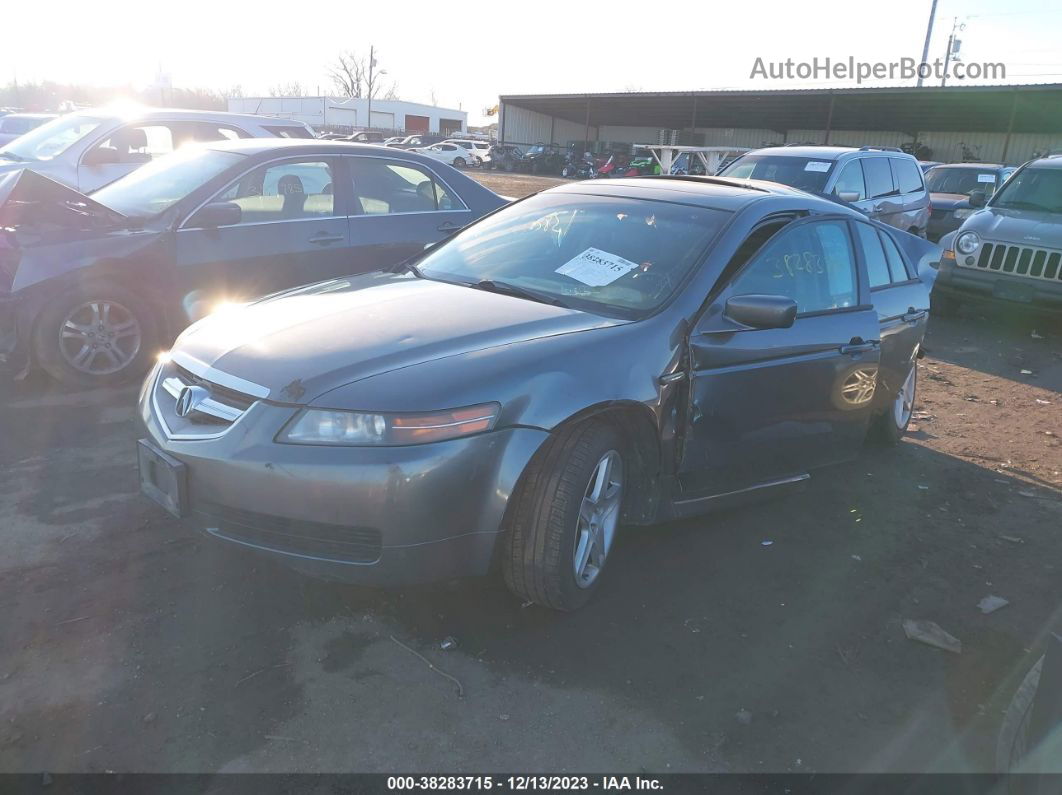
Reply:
x=969, y=284
x=377, y=516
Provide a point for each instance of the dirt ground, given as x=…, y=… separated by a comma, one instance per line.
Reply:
x=133, y=643
x=515, y=185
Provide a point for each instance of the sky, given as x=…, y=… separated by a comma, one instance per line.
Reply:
x=469, y=54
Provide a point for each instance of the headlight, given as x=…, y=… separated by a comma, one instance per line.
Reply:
x=967, y=243
x=358, y=429
x=964, y=213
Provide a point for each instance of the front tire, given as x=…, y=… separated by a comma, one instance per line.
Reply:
x=892, y=425
x=95, y=334
x=565, y=518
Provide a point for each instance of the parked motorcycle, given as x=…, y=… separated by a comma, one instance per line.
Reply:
x=579, y=167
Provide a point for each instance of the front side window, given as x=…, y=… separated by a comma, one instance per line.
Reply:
x=811, y=263
x=879, y=177
x=283, y=192
x=51, y=139
x=850, y=180
x=614, y=256
x=387, y=187
x=805, y=173
x=1036, y=189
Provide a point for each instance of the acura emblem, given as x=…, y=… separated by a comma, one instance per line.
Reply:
x=189, y=400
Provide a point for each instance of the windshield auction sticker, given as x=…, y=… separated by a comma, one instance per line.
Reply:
x=596, y=268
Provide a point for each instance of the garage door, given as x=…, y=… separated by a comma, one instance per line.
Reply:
x=416, y=124
x=449, y=126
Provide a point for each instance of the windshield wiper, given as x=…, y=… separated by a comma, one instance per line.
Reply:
x=505, y=288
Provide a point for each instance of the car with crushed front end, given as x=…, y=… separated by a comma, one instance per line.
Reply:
x=621, y=351
x=1008, y=253
x=92, y=287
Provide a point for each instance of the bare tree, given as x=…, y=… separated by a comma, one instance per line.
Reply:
x=292, y=89
x=392, y=92
x=348, y=74
x=235, y=92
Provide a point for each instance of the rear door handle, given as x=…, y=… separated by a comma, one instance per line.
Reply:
x=448, y=226
x=913, y=315
x=858, y=345
x=324, y=239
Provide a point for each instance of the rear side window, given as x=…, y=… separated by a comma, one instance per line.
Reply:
x=878, y=175
x=387, y=187
x=897, y=269
x=874, y=255
x=287, y=132
x=907, y=174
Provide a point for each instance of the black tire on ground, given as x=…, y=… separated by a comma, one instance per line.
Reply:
x=48, y=334
x=886, y=430
x=538, y=559
x=943, y=305
x=459, y=162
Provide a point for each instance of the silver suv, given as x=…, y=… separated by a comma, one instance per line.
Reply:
x=1009, y=251
x=886, y=184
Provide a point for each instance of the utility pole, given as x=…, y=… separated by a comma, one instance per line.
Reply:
x=372, y=63
x=953, y=49
x=929, y=35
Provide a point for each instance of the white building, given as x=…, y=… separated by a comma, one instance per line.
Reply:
x=387, y=114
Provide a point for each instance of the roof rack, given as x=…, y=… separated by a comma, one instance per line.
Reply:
x=880, y=149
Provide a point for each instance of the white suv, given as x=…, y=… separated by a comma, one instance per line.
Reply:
x=92, y=148
x=479, y=151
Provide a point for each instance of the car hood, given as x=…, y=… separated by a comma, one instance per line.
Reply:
x=1017, y=226
x=948, y=201
x=29, y=200
x=304, y=342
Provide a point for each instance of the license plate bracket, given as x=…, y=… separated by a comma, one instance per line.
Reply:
x=162, y=477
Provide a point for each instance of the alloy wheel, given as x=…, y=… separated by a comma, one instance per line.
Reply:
x=903, y=406
x=598, y=516
x=100, y=337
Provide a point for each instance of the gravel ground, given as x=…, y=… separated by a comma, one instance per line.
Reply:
x=133, y=643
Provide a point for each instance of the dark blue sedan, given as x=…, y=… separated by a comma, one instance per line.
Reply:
x=92, y=287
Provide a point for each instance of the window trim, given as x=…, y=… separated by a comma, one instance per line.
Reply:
x=334, y=162
x=464, y=208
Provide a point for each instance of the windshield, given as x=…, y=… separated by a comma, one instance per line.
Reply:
x=962, y=181
x=618, y=257
x=805, y=173
x=163, y=182
x=51, y=139
x=1037, y=189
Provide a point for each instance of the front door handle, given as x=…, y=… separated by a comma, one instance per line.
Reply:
x=859, y=345
x=448, y=226
x=323, y=239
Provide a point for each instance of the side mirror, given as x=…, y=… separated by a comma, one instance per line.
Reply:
x=848, y=196
x=761, y=311
x=216, y=214
x=978, y=198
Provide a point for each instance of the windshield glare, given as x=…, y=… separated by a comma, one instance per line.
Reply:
x=157, y=186
x=618, y=257
x=805, y=173
x=1037, y=189
x=962, y=181
x=51, y=139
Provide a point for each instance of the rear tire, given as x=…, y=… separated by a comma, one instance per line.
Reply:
x=459, y=162
x=565, y=516
x=890, y=426
x=96, y=333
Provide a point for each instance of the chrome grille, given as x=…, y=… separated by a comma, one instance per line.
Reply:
x=1028, y=261
x=216, y=409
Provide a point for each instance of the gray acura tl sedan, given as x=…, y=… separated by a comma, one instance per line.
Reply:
x=600, y=353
